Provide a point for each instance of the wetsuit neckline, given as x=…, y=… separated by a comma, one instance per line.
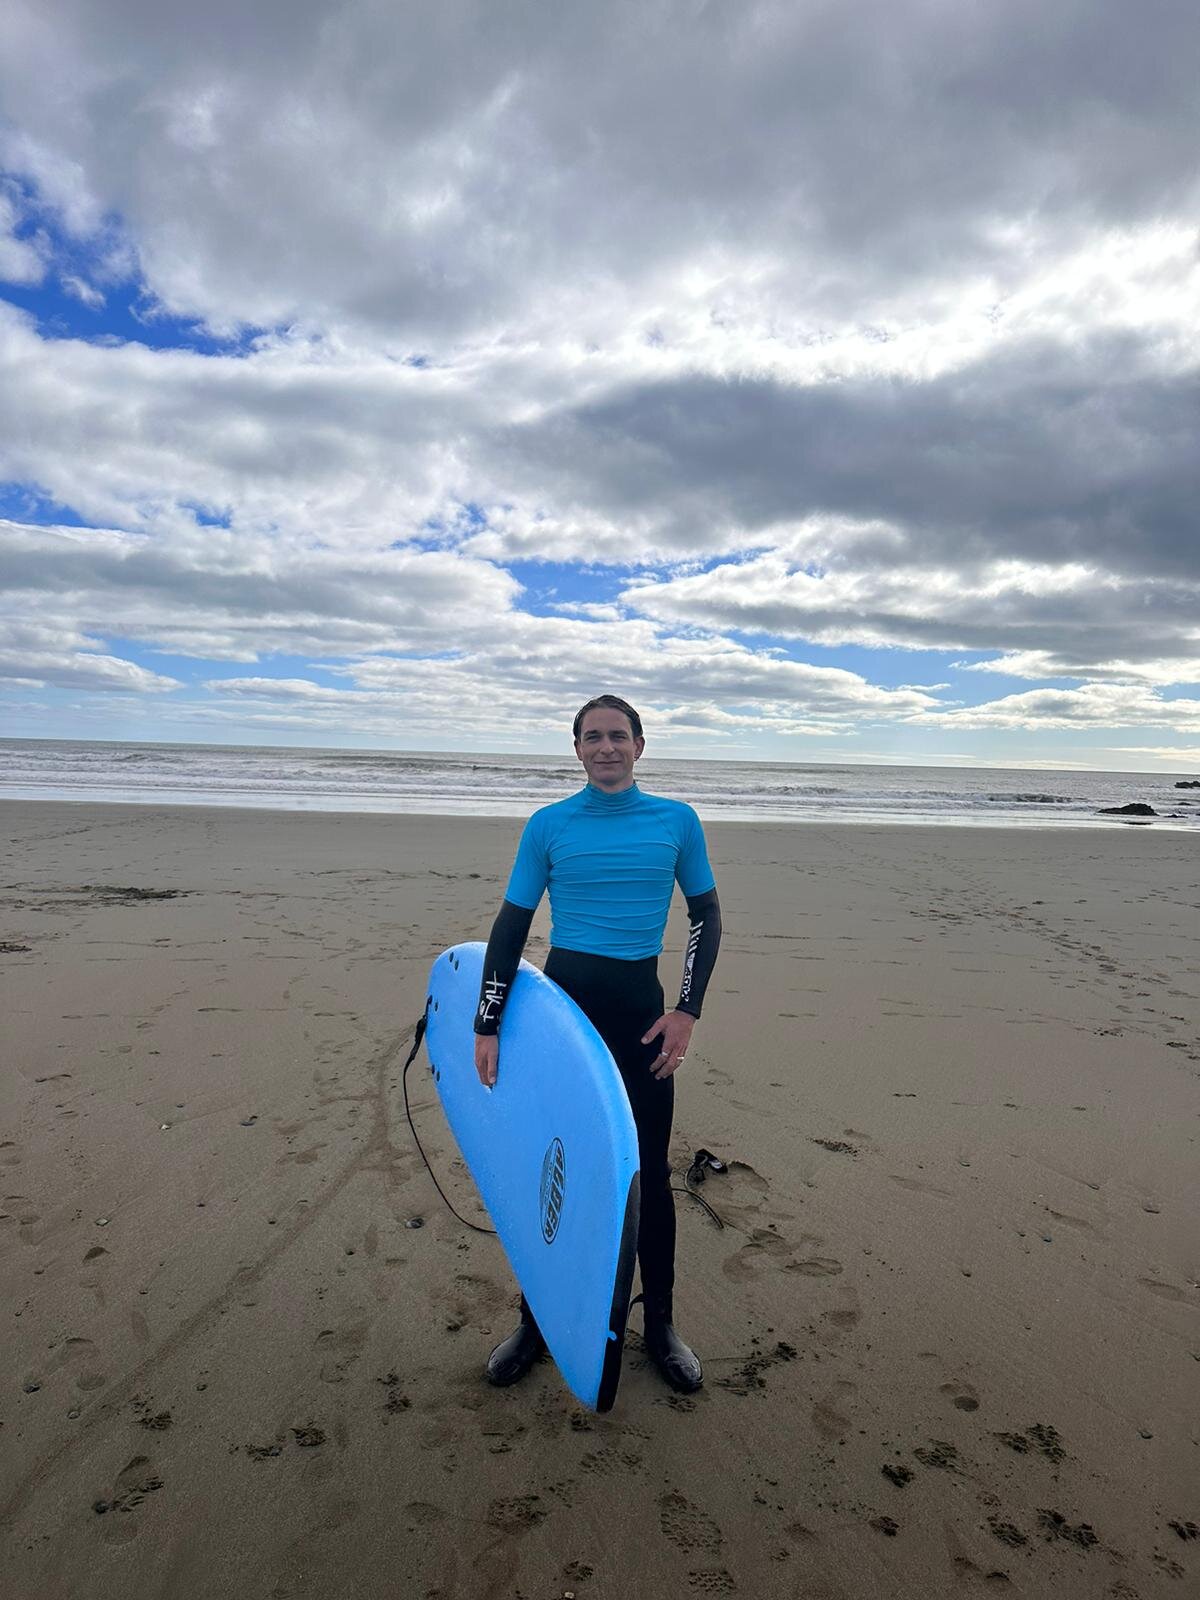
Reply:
x=621, y=801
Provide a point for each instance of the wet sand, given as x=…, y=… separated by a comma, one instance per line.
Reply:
x=951, y=1328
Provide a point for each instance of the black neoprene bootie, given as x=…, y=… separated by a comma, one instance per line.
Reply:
x=679, y=1365
x=513, y=1357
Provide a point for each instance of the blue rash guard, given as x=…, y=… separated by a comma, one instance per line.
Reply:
x=630, y=846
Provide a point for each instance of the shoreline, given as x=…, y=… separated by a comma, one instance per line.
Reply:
x=1159, y=824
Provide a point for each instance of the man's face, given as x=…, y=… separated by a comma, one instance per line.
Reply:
x=607, y=748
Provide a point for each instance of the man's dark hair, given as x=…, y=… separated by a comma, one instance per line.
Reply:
x=617, y=704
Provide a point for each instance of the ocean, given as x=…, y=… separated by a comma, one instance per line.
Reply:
x=475, y=784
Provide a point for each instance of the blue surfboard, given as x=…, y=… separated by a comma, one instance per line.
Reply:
x=553, y=1150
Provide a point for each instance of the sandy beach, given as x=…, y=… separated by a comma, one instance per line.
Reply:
x=951, y=1327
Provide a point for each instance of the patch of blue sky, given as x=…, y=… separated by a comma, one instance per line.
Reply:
x=92, y=289
x=200, y=670
x=208, y=516
x=25, y=502
x=439, y=532
x=547, y=585
x=128, y=316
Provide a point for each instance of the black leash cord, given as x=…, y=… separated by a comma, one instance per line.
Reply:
x=412, y=1056
x=687, y=1189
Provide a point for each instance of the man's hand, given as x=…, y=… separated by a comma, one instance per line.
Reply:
x=676, y=1029
x=487, y=1057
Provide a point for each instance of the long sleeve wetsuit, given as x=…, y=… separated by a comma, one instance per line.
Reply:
x=610, y=863
x=510, y=931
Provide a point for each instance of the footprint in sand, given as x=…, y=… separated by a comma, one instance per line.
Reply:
x=302, y=1158
x=423, y=1514
x=712, y=1580
x=1168, y=1291
x=744, y=1174
x=79, y=1354
x=921, y=1186
x=564, y=1491
x=742, y=1197
x=828, y=1420
x=341, y=1348
x=847, y=1313
x=816, y=1267
x=610, y=1463
x=685, y=1526
x=961, y=1396
x=477, y=1300
x=518, y=1514
x=137, y=1479
x=747, y=1378
x=764, y=1250
x=716, y=1076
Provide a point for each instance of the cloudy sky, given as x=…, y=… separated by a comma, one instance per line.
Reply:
x=821, y=376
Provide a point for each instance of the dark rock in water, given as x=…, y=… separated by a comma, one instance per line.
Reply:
x=1188, y=783
x=1135, y=808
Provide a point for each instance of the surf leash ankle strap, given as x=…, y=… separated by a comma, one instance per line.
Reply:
x=702, y=1162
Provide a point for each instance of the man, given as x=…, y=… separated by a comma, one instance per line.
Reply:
x=610, y=856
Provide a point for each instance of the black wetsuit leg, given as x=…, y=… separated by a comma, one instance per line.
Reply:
x=622, y=999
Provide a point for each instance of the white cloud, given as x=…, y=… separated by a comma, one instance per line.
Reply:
x=1179, y=755
x=1080, y=615
x=447, y=170
x=20, y=259
x=1162, y=671
x=218, y=595
x=593, y=611
x=84, y=292
x=1094, y=705
x=63, y=658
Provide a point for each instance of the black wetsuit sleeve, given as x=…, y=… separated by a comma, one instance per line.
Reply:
x=704, y=940
x=500, y=962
